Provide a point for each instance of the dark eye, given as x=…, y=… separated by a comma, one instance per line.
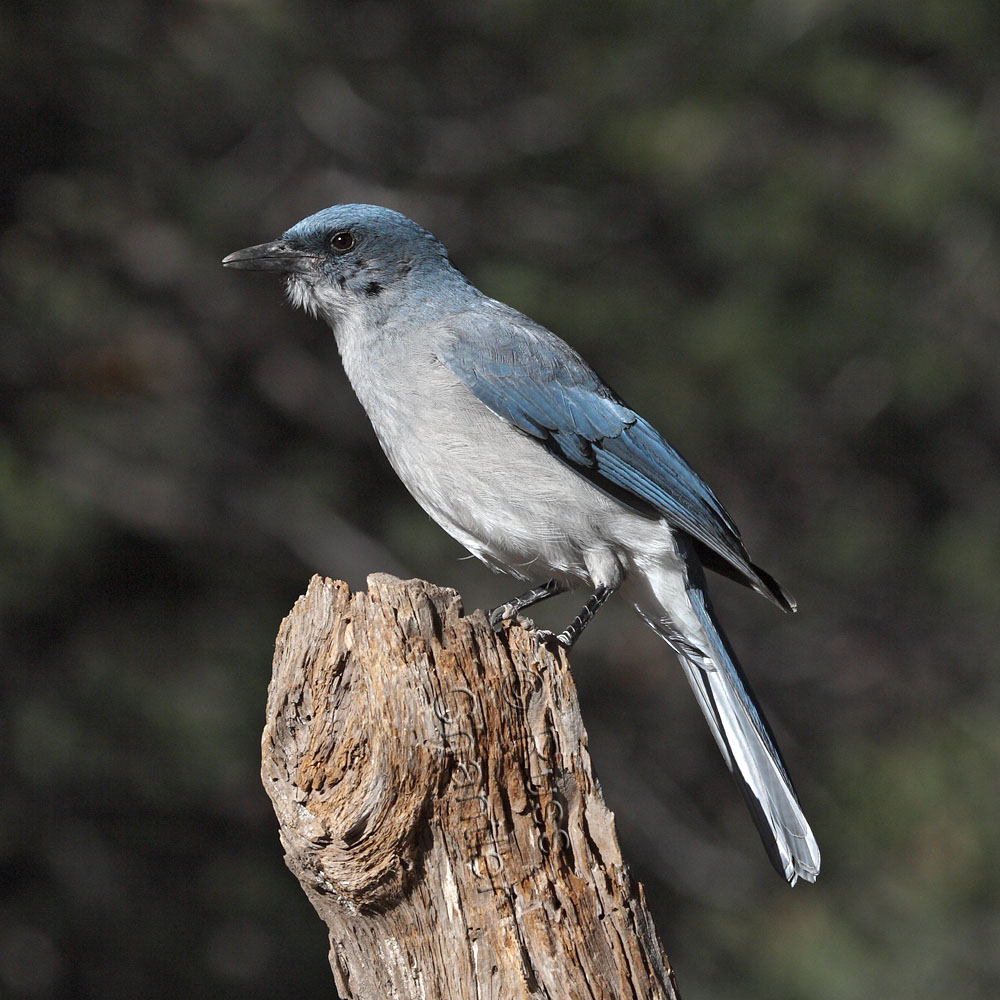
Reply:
x=342, y=242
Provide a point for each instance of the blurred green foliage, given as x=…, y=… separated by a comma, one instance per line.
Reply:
x=772, y=226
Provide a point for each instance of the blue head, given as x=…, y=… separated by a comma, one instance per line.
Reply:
x=352, y=256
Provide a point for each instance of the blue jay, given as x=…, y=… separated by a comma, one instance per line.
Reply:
x=511, y=442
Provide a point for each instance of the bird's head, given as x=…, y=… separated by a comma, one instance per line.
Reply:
x=349, y=257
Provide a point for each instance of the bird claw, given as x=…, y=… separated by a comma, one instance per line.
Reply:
x=498, y=616
x=546, y=638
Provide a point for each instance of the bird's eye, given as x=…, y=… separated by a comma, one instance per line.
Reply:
x=342, y=242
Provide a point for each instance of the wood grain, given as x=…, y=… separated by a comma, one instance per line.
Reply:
x=436, y=801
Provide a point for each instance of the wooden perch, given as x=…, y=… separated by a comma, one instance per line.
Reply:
x=436, y=801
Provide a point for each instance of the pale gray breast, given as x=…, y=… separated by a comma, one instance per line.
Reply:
x=495, y=489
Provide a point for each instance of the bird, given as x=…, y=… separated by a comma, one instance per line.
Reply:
x=512, y=443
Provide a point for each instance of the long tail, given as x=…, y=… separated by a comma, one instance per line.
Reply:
x=682, y=616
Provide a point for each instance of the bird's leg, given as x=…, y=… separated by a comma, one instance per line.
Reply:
x=572, y=632
x=512, y=608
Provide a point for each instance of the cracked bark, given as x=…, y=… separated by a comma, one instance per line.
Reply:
x=436, y=801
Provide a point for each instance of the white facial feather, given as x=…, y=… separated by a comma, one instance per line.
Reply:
x=320, y=298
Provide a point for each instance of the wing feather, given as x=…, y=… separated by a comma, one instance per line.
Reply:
x=536, y=382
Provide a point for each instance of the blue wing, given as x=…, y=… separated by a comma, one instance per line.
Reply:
x=532, y=379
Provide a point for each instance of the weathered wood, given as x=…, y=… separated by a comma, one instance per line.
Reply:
x=436, y=801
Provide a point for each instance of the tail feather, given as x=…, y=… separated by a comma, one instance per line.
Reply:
x=739, y=728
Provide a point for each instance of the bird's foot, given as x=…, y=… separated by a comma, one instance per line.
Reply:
x=504, y=613
x=512, y=609
x=546, y=638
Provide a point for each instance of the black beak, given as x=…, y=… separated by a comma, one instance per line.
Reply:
x=276, y=256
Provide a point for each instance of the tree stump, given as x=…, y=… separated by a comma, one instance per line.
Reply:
x=436, y=801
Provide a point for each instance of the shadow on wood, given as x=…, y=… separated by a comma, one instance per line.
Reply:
x=435, y=798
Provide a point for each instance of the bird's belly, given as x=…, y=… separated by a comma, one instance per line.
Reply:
x=512, y=504
x=497, y=491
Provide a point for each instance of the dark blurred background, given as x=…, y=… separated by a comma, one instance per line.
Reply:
x=771, y=225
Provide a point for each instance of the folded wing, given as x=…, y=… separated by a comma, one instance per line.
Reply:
x=532, y=379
